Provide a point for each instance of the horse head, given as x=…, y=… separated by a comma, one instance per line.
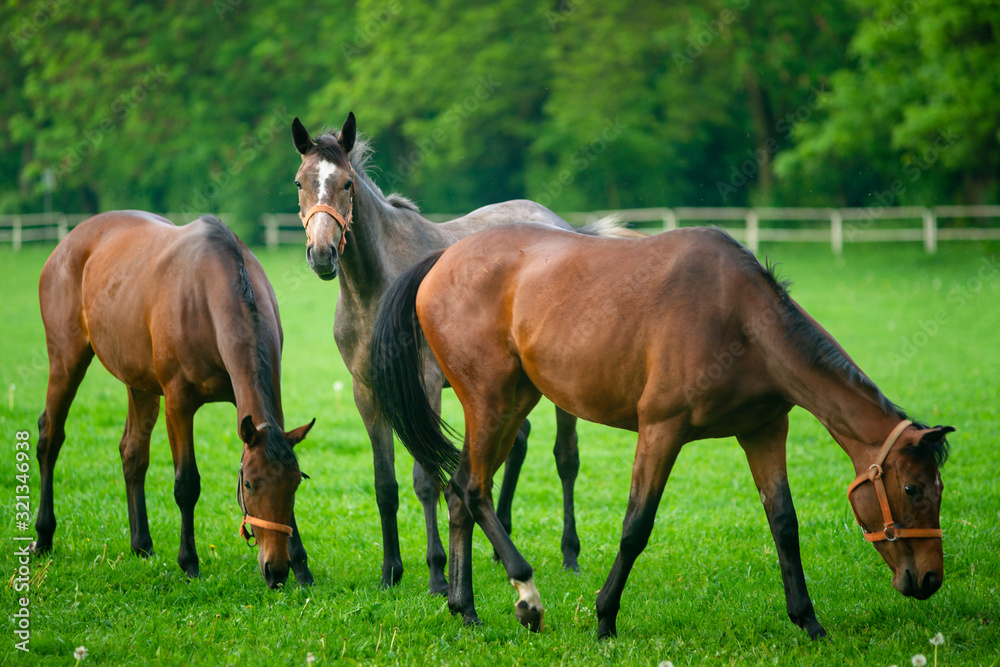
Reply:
x=897, y=502
x=269, y=475
x=325, y=181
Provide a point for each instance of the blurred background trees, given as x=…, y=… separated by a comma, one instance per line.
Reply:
x=180, y=106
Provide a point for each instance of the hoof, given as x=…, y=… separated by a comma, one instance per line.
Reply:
x=528, y=615
x=144, y=552
x=606, y=631
x=470, y=620
x=816, y=631
x=391, y=575
x=39, y=548
x=438, y=587
x=571, y=564
x=304, y=578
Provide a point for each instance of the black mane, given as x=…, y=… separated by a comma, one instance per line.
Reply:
x=817, y=348
x=226, y=241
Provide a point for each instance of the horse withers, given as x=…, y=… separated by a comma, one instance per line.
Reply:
x=185, y=313
x=628, y=333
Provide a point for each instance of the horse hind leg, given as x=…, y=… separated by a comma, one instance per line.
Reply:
x=511, y=473
x=568, y=464
x=765, y=451
x=490, y=438
x=143, y=409
x=70, y=355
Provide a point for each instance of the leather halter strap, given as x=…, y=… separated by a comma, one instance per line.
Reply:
x=889, y=531
x=345, y=223
x=260, y=523
x=252, y=520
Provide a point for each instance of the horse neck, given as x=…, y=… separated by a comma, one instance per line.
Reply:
x=850, y=407
x=253, y=361
x=377, y=225
x=851, y=413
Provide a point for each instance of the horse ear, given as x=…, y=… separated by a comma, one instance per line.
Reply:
x=297, y=435
x=348, y=133
x=935, y=435
x=303, y=142
x=248, y=432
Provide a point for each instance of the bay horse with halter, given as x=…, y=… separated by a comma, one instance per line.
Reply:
x=367, y=239
x=678, y=337
x=185, y=313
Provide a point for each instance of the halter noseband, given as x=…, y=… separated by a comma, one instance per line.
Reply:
x=252, y=520
x=345, y=223
x=889, y=531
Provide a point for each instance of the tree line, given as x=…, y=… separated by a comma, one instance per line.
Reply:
x=581, y=105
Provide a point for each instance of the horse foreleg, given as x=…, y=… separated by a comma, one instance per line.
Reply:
x=654, y=457
x=297, y=556
x=511, y=473
x=187, y=481
x=143, y=410
x=568, y=464
x=68, y=362
x=765, y=450
x=386, y=487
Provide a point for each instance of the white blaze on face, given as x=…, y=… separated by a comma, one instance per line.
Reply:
x=324, y=171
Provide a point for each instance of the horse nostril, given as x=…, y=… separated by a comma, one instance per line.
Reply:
x=930, y=583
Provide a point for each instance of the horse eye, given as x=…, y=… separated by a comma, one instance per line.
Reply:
x=348, y=184
x=246, y=485
x=298, y=185
x=912, y=490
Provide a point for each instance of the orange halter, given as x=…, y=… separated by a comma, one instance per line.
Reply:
x=254, y=521
x=889, y=531
x=345, y=223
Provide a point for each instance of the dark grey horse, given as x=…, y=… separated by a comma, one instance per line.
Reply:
x=368, y=239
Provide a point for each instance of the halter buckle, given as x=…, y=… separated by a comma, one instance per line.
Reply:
x=890, y=532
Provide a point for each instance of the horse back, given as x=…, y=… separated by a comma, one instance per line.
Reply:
x=596, y=324
x=148, y=296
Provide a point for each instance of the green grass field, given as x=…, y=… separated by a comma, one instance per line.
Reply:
x=707, y=590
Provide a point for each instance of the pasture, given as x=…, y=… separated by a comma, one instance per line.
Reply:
x=707, y=589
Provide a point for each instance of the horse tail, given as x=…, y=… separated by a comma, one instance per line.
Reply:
x=610, y=226
x=396, y=376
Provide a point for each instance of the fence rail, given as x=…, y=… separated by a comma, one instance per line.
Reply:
x=835, y=226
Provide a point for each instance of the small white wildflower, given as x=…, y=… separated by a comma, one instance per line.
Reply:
x=919, y=660
x=937, y=639
x=338, y=386
x=666, y=663
x=310, y=659
x=80, y=653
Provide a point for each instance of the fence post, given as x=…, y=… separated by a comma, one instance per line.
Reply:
x=930, y=231
x=15, y=233
x=62, y=227
x=836, y=232
x=669, y=219
x=271, y=231
x=753, y=236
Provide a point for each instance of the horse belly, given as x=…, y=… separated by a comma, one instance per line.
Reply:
x=120, y=337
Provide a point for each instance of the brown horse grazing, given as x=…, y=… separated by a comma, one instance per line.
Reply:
x=678, y=337
x=185, y=313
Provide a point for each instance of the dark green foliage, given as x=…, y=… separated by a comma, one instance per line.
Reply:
x=179, y=106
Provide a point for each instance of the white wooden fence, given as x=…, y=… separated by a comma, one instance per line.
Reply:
x=835, y=226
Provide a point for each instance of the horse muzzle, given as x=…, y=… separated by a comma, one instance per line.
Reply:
x=916, y=585
x=324, y=261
